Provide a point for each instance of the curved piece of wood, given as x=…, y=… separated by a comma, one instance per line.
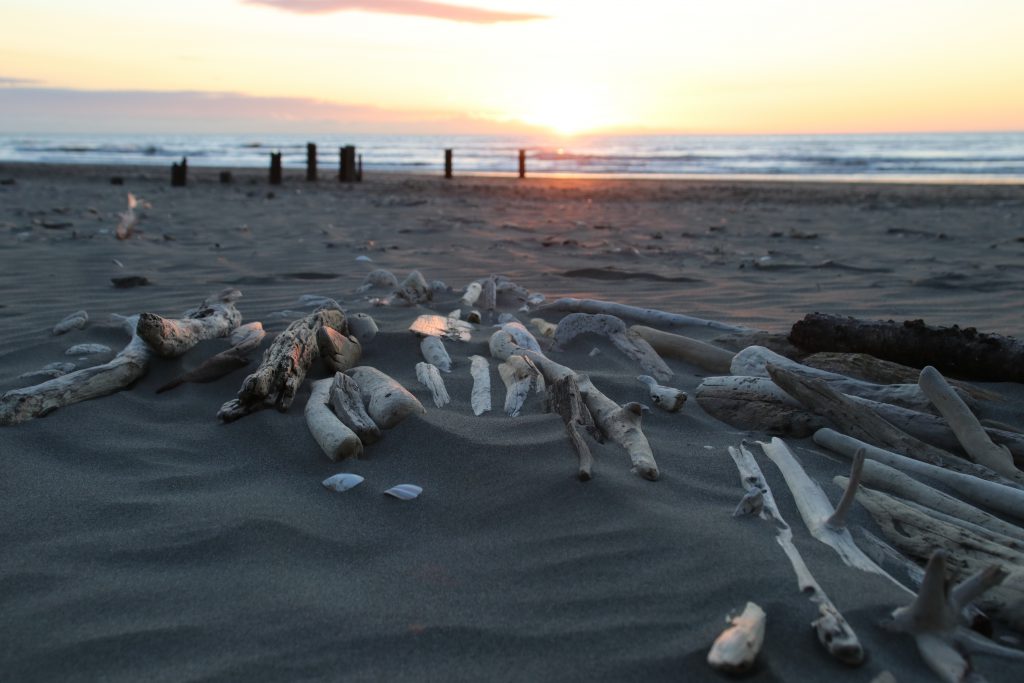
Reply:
x=705, y=356
x=756, y=403
x=966, y=426
x=435, y=354
x=629, y=343
x=428, y=375
x=21, y=405
x=214, y=317
x=518, y=375
x=480, y=399
x=565, y=400
x=645, y=316
x=337, y=441
x=619, y=423
x=338, y=351
x=387, y=402
x=543, y=327
x=347, y=402
x=668, y=399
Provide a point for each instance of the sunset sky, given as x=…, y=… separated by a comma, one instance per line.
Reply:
x=729, y=66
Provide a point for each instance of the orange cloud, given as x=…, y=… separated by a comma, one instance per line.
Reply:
x=417, y=8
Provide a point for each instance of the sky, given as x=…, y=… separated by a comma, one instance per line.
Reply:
x=514, y=66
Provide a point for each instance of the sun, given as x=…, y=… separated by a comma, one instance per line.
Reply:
x=567, y=111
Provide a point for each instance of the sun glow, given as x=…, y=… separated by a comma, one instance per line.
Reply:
x=569, y=112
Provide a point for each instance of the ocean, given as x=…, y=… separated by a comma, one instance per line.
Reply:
x=949, y=157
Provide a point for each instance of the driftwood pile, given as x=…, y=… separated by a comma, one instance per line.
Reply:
x=901, y=426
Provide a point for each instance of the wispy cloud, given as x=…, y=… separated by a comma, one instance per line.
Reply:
x=16, y=82
x=417, y=8
x=50, y=110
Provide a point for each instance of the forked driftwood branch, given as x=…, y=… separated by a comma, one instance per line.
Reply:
x=564, y=399
x=833, y=632
x=337, y=441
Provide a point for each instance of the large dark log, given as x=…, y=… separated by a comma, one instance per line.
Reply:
x=962, y=352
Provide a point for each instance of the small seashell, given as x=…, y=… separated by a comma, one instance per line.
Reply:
x=404, y=491
x=365, y=258
x=86, y=349
x=342, y=482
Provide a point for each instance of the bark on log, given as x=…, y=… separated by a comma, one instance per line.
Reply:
x=564, y=399
x=284, y=365
x=21, y=405
x=387, y=402
x=619, y=423
x=214, y=317
x=961, y=352
x=337, y=441
x=347, y=402
x=705, y=356
x=645, y=316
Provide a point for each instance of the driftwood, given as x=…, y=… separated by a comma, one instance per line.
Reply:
x=127, y=221
x=214, y=317
x=338, y=351
x=645, y=316
x=863, y=424
x=824, y=523
x=21, y=405
x=962, y=352
x=632, y=345
x=1008, y=500
x=833, y=632
x=429, y=376
x=705, y=356
x=736, y=648
x=753, y=361
x=779, y=343
x=871, y=369
x=619, y=423
x=434, y=353
x=247, y=337
x=387, y=402
x=965, y=425
x=383, y=279
x=519, y=375
x=489, y=296
x=564, y=399
x=414, y=289
x=756, y=403
x=210, y=370
x=480, y=398
x=348, y=406
x=543, y=327
x=72, y=321
x=473, y=290
x=335, y=439
x=362, y=327
x=284, y=366
x=666, y=398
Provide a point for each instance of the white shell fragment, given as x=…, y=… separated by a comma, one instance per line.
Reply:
x=664, y=397
x=735, y=650
x=480, y=399
x=404, y=491
x=342, y=482
x=73, y=321
x=429, y=377
x=86, y=349
x=434, y=353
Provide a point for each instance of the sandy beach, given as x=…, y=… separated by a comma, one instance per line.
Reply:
x=145, y=540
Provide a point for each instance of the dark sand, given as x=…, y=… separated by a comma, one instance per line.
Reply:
x=143, y=540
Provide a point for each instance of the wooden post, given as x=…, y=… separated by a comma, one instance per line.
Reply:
x=225, y=177
x=359, y=170
x=310, y=162
x=447, y=163
x=179, y=173
x=522, y=163
x=275, y=168
x=347, y=166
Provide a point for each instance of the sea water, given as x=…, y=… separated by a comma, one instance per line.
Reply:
x=946, y=157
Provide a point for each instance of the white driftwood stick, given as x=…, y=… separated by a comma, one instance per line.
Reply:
x=834, y=633
x=434, y=353
x=629, y=343
x=21, y=405
x=348, y=406
x=1006, y=499
x=882, y=477
x=822, y=521
x=338, y=351
x=736, y=648
x=214, y=317
x=543, y=327
x=246, y=338
x=72, y=321
x=667, y=398
x=414, y=289
x=335, y=439
x=756, y=403
x=619, y=423
x=965, y=425
x=428, y=375
x=519, y=375
x=386, y=401
x=705, y=356
x=480, y=399
x=128, y=220
x=646, y=316
x=753, y=361
x=473, y=290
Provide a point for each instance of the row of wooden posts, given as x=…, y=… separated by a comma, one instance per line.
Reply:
x=350, y=167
